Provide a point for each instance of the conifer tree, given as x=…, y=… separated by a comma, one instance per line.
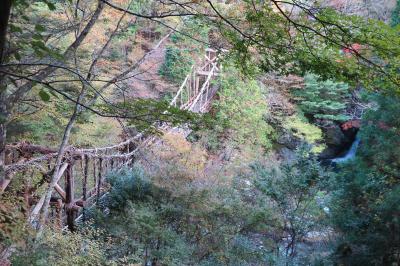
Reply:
x=323, y=99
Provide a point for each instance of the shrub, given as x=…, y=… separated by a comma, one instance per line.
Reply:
x=395, y=19
x=54, y=247
x=207, y=226
x=176, y=65
x=293, y=189
x=241, y=111
x=302, y=129
x=127, y=185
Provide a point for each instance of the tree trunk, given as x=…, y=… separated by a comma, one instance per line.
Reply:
x=60, y=155
x=5, y=10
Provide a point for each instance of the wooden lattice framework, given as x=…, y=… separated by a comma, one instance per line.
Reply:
x=80, y=180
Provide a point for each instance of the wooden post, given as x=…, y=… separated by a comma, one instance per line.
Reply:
x=201, y=96
x=189, y=91
x=182, y=97
x=99, y=181
x=197, y=84
x=106, y=162
x=69, y=189
x=49, y=164
x=207, y=87
x=194, y=83
x=132, y=160
x=84, y=184
x=94, y=175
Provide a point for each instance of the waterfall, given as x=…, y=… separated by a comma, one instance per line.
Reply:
x=351, y=153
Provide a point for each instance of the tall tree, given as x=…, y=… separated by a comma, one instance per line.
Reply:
x=5, y=10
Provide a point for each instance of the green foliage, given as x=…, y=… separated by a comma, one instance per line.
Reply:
x=12, y=219
x=144, y=113
x=50, y=127
x=29, y=35
x=57, y=248
x=44, y=95
x=116, y=54
x=365, y=199
x=294, y=189
x=241, y=111
x=196, y=226
x=179, y=57
x=177, y=64
x=323, y=99
x=127, y=186
x=302, y=129
x=313, y=41
x=193, y=31
x=395, y=19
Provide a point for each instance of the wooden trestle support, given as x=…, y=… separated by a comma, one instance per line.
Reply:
x=84, y=170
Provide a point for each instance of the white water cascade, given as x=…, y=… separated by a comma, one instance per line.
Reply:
x=351, y=153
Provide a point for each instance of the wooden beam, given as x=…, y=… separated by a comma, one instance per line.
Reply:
x=206, y=73
x=60, y=191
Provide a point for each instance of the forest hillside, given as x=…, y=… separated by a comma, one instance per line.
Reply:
x=169, y=132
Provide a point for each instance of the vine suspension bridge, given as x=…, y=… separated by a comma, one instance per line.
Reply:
x=81, y=178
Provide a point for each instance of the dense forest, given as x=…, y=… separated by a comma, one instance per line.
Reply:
x=199, y=132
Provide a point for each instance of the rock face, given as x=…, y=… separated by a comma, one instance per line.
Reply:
x=337, y=141
x=288, y=140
